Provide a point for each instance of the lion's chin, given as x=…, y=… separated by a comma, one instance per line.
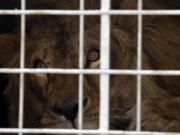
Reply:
x=54, y=121
x=69, y=125
x=58, y=122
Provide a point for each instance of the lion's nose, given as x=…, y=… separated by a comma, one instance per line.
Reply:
x=68, y=108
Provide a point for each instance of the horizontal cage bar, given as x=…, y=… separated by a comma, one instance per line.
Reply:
x=90, y=12
x=92, y=71
x=75, y=131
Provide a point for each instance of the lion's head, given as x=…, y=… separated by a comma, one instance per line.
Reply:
x=51, y=100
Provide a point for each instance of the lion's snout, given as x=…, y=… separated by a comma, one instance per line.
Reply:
x=68, y=108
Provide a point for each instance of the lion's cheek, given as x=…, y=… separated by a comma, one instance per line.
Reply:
x=40, y=78
x=38, y=83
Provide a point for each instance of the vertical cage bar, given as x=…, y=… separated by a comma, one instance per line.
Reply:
x=81, y=54
x=105, y=58
x=22, y=65
x=139, y=67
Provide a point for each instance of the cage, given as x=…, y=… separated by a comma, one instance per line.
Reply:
x=105, y=71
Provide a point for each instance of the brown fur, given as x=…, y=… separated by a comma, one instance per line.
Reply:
x=55, y=42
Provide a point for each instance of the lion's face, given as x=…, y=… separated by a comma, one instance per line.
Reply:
x=53, y=45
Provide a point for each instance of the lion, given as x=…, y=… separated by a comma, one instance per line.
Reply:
x=51, y=100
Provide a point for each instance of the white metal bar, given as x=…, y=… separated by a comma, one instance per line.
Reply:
x=81, y=54
x=93, y=71
x=22, y=65
x=139, y=68
x=89, y=12
x=105, y=58
x=76, y=131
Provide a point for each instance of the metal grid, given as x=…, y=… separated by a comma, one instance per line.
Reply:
x=104, y=71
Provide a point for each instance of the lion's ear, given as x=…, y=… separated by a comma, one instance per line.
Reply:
x=9, y=50
x=128, y=22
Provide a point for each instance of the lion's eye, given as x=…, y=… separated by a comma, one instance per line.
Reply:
x=93, y=55
x=39, y=64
